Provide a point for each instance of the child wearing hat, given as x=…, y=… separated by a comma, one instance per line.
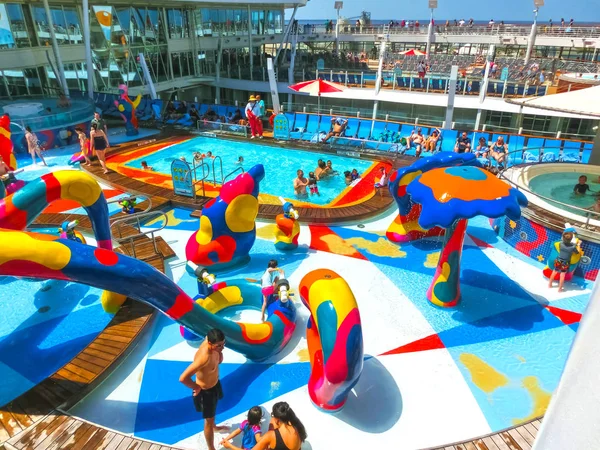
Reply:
x=569, y=245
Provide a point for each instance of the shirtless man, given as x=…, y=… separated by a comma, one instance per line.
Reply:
x=300, y=183
x=338, y=127
x=207, y=389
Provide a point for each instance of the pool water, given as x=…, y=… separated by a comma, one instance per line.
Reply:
x=280, y=166
x=559, y=186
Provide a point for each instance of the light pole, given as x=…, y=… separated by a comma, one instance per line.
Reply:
x=337, y=6
x=531, y=40
x=432, y=5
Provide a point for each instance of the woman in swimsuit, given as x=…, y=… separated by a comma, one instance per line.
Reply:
x=99, y=144
x=286, y=432
x=499, y=150
x=84, y=145
x=33, y=146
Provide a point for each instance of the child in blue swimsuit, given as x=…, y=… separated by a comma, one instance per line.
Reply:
x=250, y=429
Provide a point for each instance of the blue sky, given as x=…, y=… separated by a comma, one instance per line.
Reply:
x=579, y=10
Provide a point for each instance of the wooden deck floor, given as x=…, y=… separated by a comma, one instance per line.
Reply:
x=36, y=419
x=517, y=438
x=162, y=197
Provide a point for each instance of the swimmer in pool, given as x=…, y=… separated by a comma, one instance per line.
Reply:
x=581, y=188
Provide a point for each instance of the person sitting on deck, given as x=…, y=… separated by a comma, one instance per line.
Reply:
x=169, y=111
x=431, y=142
x=463, y=143
x=482, y=148
x=499, y=150
x=416, y=139
x=194, y=114
x=236, y=117
x=338, y=125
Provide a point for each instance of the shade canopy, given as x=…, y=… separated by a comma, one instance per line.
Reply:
x=317, y=87
x=412, y=52
x=583, y=101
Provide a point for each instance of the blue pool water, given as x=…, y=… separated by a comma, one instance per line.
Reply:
x=559, y=186
x=45, y=323
x=280, y=165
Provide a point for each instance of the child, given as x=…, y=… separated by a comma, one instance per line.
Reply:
x=268, y=282
x=348, y=177
x=568, y=246
x=312, y=184
x=582, y=187
x=354, y=175
x=240, y=160
x=145, y=166
x=382, y=181
x=250, y=429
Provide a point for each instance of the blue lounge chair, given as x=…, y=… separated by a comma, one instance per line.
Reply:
x=299, y=126
x=378, y=136
x=312, y=126
x=587, y=152
x=449, y=140
x=291, y=117
x=364, y=129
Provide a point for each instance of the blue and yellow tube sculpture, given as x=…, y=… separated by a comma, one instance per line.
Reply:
x=334, y=335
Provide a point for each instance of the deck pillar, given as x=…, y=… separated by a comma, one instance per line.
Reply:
x=573, y=416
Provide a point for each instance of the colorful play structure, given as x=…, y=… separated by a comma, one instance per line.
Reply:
x=9, y=184
x=334, y=336
x=127, y=109
x=79, y=157
x=441, y=193
x=334, y=331
x=287, y=227
x=228, y=224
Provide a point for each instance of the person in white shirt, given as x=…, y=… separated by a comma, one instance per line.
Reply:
x=251, y=115
x=383, y=180
x=259, y=112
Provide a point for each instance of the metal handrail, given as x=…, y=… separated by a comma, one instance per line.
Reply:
x=502, y=174
x=215, y=172
x=141, y=233
x=237, y=169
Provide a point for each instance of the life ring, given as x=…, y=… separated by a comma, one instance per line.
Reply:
x=272, y=119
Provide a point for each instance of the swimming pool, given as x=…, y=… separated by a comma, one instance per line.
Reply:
x=559, y=186
x=280, y=165
x=45, y=323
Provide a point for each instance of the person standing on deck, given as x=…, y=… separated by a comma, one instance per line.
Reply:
x=101, y=125
x=249, y=110
x=206, y=390
x=259, y=112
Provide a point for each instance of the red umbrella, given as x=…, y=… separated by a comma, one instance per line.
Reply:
x=412, y=52
x=317, y=87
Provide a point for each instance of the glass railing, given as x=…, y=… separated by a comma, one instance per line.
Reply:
x=441, y=28
x=534, y=156
x=81, y=110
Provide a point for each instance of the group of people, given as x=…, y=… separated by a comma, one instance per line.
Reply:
x=497, y=150
x=255, y=111
x=420, y=142
x=286, y=431
x=323, y=170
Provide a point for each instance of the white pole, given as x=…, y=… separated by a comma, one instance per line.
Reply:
x=429, y=36
x=273, y=86
x=61, y=69
x=250, y=49
x=531, y=40
x=378, y=84
x=451, y=94
x=88, y=49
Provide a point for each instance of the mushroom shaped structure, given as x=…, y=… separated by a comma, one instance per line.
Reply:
x=405, y=227
x=228, y=223
x=448, y=197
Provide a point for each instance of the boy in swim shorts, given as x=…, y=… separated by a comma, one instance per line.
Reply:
x=268, y=282
x=312, y=184
x=567, y=247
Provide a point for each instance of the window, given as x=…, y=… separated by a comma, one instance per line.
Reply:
x=73, y=26
x=41, y=25
x=13, y=29
x=498, y=119
x=175, y=23
x=536, y=123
